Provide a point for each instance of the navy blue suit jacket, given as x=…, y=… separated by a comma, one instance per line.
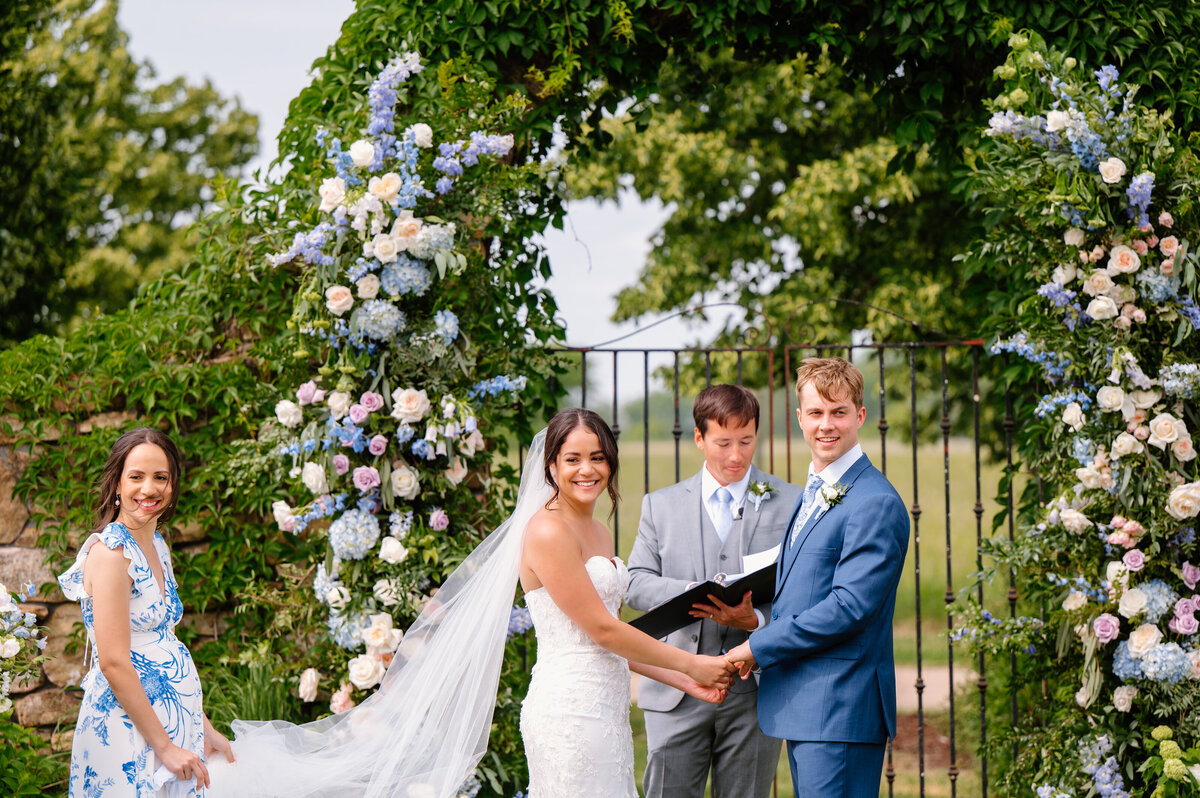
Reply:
x=826, y=654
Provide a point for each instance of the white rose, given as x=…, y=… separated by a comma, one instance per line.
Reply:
x=1143, y=638
x=457, y=471
x=313, y=476
x=1123, y=294
x=405, y=484
x=1074, y=601
x=1064, y=273
x=422, y=134
x=1097, y=283
x=1073, y=416
x=1194, y=658
x=1056, y=121
x=1132, y=603
x=338, y=299
x=1089, y=477
x=1112, y=170
x=1073, y=237
x=1144, y=400
x=1123, y=697
x=1126, y=444
x=362, y=152
x=382, y=247
x=1115, y=573
x=308, y=684
x=1081, y=697
x=1073, y=520
x=385, y=188
x=332, y=192
x=10, y=647
x=406, y=228
x=337, y=597
x=283, y=514
x=409, y=405
x=385, y=592
x=1184, y=501
x=392, y=550
x=368, y=287
x=1102, y=308
x=1109, y=398
x=472, y=443
x=1183, y=450
x=339, y=404
x=1163, y=430
x=365, y=671
x=288, y=413
x=1123, y=260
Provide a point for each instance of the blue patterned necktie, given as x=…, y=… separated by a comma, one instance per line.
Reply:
x=724, y=515
x=810, y=495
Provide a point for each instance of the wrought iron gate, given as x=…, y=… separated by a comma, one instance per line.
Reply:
x=940, y=422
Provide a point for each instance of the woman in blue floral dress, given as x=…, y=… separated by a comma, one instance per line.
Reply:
x=142, y=729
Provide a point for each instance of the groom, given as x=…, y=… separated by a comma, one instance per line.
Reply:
x=688, y=533
x=828, y=683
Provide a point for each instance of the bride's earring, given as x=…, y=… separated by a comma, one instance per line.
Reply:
x=117, y=503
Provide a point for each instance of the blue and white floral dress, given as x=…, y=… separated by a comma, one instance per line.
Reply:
x=109, y=756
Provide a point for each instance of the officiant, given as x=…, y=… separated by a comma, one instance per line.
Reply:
x=690, y=532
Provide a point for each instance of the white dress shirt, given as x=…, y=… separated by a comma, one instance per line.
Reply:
x=708, y=491
x=830, y=475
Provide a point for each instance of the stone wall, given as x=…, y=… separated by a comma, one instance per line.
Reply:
x=50, y=702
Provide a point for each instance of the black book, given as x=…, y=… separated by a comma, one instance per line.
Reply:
x=672, y=614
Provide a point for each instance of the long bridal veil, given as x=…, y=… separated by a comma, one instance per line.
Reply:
x=426, y=728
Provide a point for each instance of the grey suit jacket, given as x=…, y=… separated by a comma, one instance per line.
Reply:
x=668, y=556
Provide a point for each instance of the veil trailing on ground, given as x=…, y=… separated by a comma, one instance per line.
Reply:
x=426, y=728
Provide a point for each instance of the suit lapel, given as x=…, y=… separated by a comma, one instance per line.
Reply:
x=789, y=558
x=696, y=522
x=750, y=515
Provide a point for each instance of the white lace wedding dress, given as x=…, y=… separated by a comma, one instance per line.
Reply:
x=575, y=719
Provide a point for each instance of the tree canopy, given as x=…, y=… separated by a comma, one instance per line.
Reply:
x=101, y=167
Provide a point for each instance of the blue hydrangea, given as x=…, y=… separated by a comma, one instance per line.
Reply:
x=1048, y=791
x=446, y=326
x=432, y=239
x=1156, y=287
x=1125, y=667
x=405, y=433
x=1190, y=311
x=406, y=276
x=346, y=628
x=323, y=583
x=1180, y=379
x=1166, y=662
x=1160, y=599
x=379, y=319
x=353, y=534
x=400, y=523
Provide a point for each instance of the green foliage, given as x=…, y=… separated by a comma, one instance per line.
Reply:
x=27, y=769
x=102, y=168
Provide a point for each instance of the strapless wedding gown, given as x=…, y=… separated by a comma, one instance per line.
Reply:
x=575, y=719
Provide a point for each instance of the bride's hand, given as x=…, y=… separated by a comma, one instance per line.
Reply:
x=713, y=695
x=713, y=672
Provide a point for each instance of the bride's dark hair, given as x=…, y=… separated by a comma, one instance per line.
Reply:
x=563, y=424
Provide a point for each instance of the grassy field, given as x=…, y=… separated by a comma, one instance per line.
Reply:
x=945, y=491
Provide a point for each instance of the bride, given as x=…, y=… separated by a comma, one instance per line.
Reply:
x=426, y=728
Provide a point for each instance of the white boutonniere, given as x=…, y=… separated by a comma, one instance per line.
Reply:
x=832, y=494
x=759, y=493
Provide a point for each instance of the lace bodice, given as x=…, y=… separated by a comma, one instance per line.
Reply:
x=556, y=633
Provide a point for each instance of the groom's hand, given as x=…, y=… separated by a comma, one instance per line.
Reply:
x=739, y=616
x=742, y=658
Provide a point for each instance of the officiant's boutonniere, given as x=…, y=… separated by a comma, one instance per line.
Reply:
x=759, y=493
x=832, y=494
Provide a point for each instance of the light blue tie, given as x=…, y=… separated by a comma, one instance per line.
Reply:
x=723, y=519
x=810, y=495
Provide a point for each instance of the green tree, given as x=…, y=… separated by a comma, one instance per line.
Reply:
x=101, y=167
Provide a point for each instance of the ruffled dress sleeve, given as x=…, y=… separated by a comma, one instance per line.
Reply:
x=114, y=536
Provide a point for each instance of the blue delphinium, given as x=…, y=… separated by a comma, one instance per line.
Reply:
x=353, y=534
x=1181, y=380
x=1053, y=365
x=1188, y=307
x=1103, y=768
x=519, y=621
x=1139, y=197
x=496, y=386
x=400, y=523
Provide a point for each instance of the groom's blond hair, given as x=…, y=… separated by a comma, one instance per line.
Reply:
x=834, y=378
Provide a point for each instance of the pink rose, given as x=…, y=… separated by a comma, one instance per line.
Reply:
x=1133, y=529
x=1185, y=606
x=1140, y=247
x=1152, y=242
x=1134, y=560
x=1183, y=625
x=366, y=477
x=1166, y=220
x=1191, y=575
x=1167, y=267
x=341, y=701
x=308, y=393
x=1118, y=520
x=341, y=463
x=1107, y=627
x=358, y=413
x=1168, y=246
x=371, y=401
x=438, y=520
x=378, y=445
x=1120, y=538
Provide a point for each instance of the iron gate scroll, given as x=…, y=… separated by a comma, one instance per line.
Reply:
x=896, y=373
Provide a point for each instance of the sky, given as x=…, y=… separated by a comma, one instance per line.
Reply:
x=261, y=50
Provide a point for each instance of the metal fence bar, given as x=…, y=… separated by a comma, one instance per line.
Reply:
x=916, y=549
x=978, y=510
x=952, y=770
